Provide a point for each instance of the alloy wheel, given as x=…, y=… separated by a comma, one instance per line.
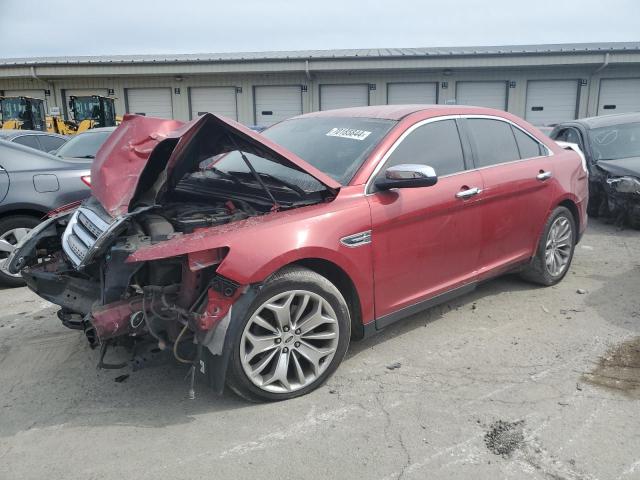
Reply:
x=289, y=341
x=558, y=246
x=8, y=242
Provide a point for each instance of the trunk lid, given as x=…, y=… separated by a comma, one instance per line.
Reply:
x=139, y=159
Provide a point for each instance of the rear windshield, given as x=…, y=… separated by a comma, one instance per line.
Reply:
x=616, y=141
x=84, y=145
x=336, y=146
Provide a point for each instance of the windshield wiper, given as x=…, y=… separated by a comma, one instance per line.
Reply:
x=276, y=206
x=283, y=183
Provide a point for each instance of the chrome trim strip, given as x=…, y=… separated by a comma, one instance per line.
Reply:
x=452, y=117
x=356, y=239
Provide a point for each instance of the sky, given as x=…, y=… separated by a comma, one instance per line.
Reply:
x=109, y=27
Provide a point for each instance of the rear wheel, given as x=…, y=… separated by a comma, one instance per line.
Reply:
x=294, y=336
x=12, y=230
x=555, y=249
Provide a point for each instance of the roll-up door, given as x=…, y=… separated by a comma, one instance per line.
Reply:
x=152, y=102
x=218, y=100
x=410, y=93
x=276, y=103
x=482, y=94
x=619, y=95
x=343, y=96
x=551, y=101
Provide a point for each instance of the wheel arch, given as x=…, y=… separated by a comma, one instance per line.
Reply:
x=570, y=205
x=336, y=275
x=30, y=212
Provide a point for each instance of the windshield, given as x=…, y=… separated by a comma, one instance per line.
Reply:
x=616, y=141
x=85, y=145
x=13, y=108
x=85, y=108
x=336, y=146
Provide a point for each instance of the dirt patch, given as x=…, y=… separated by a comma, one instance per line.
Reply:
x=619, y=369
x=503, y=438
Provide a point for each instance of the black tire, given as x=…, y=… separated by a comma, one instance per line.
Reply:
x=290, y=279
x=7, y=224
x=537, y=271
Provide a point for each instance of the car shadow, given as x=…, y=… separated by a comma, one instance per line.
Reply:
x=505, y=283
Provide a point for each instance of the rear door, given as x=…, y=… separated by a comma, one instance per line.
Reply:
x=517, y=174
x=425, y=241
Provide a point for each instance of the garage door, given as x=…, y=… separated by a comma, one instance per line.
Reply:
x=218, y=100
x=619, y=95
x=343, y=96
x=276, y=103
x=482, y=94
x=408, y=93
x=550, y=102
x=152, y=102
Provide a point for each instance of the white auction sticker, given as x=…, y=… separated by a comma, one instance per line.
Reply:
x=351, y=133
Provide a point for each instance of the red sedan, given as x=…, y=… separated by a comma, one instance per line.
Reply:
x=256, y=258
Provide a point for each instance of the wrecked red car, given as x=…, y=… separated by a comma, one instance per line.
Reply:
x=256, y=258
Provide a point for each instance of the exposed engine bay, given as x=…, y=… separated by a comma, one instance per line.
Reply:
x=82, y=258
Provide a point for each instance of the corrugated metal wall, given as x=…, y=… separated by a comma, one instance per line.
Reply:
x=377, y=79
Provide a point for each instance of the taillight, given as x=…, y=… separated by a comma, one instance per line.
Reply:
x=86, y=180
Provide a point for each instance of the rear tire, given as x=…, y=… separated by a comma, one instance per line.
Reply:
x=553, y=256
x=293, y=337
x=12, y=230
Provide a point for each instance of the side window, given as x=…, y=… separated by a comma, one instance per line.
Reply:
x=28, y=141
x=494, y=141
x=527, y=146
x=570, y=135
x=50, y=143
x=436, y=144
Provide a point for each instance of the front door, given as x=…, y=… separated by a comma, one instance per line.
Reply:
x=425, y=240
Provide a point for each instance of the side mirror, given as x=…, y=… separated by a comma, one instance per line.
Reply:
x=408, y=175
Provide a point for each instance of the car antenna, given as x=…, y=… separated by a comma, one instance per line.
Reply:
x=276, y=205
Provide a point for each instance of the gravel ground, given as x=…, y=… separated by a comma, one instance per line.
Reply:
x=512, y=381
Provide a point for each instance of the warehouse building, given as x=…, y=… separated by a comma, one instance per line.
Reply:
x=545, y=84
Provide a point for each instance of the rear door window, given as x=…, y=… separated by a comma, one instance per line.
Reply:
x=436, y=144
x=527, y=146
x=493, y=140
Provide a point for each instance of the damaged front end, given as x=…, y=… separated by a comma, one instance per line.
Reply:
x=151, y=190
x=616, y=196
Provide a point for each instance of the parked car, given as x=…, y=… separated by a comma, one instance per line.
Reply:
x=33, y=183
x=611, y=146
x=43, y=141
x=84, y=145
x=269, y=252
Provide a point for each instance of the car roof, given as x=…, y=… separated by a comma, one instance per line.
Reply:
x=23, y=148
x=9, y=133
x=608, y=120
x=101, y=129
x=398, y=112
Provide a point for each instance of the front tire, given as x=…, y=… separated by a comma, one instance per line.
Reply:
x=12, y=230
x=293, y=337
x=555, y=249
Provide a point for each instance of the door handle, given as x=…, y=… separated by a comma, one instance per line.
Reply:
x=542, y=176
x=469, y=192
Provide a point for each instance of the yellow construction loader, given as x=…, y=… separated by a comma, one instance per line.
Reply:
x=26, y=113
x=87, y=112
x=22, y=113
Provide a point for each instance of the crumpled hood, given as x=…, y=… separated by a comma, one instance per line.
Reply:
x=624, y=166
x=139, y=157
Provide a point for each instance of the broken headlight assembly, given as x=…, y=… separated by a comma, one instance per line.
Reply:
x=624, y=184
